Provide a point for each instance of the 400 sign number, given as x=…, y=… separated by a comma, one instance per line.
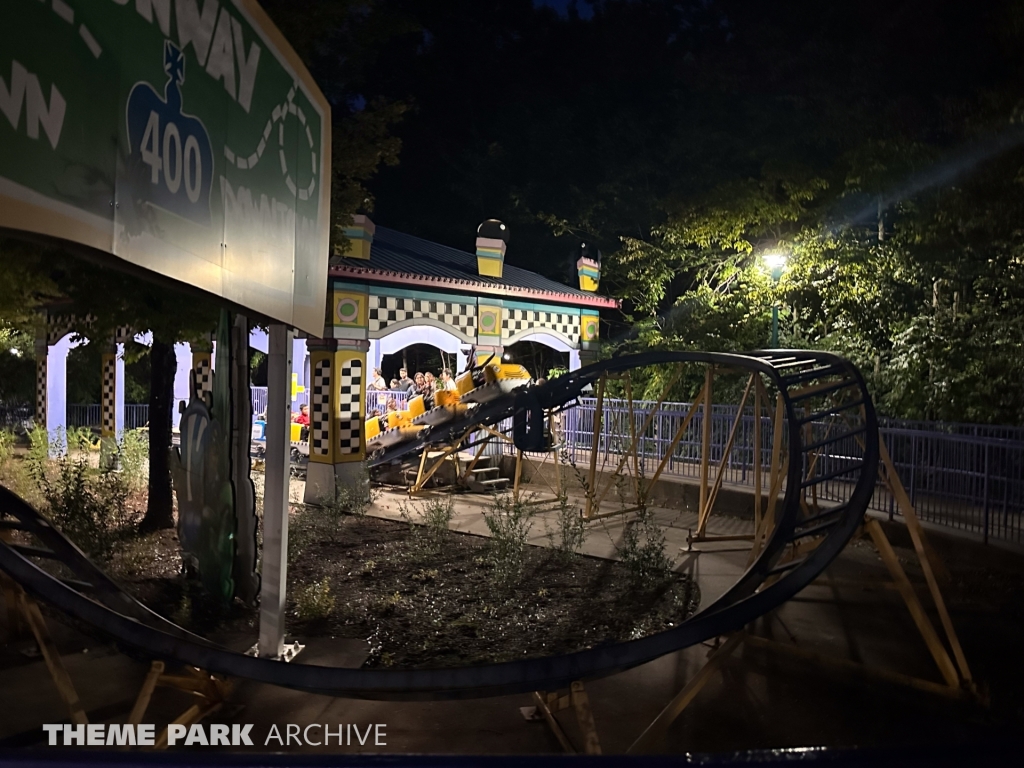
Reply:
x=174, y=145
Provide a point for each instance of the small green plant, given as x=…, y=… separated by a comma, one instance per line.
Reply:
x=642, y=551
x=7, y=441
x=91, y=510
x=133, y=457
x=345, y=499
x=569, y=532
x=314, y=601
x=37, y=460
x=79, y=438
x=509, y=522
x=428, y=524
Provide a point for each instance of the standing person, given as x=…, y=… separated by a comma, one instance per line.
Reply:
x=378, y=382
x=404, y=382
x=447, y=382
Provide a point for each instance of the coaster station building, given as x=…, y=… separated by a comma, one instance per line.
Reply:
x=390, y=290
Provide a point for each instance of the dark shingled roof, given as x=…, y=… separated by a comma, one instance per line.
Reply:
x=399, y=258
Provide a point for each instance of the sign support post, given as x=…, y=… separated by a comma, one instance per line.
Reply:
x=275, y=494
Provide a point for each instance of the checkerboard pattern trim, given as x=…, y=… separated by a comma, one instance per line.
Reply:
x=108, y=397
x=203, y=367
x=517, y=321
x=320, y=404
x=58, y=326
x=350, y=398
x=41, y=390
x=388, y=310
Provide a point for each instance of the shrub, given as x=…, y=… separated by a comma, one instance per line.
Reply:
x=90, y=510
x=642, y=551
x=79, y=438
x=37, y=459
x=428, y=527
x=7, y=441
x=133, y=457
x=314, y=601
x=509, y=523
x=570, y=531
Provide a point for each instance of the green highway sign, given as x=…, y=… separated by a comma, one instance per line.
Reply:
x=182, y=136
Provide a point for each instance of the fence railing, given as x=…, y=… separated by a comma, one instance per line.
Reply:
x=967, y=477
x=377, y=400
x=963, y=476
x=136, y=415
x=15, y=416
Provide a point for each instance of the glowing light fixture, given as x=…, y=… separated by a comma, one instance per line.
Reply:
x=775, y=260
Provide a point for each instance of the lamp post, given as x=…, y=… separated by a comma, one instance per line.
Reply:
x=776, y=262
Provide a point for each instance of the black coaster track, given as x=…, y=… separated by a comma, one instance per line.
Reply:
x=813, y=386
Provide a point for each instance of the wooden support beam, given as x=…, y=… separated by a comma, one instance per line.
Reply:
x=705, y=443
x=758, y=386
x=930, y=563
x=705, y=511
x=675, y=441
x=906, y=589
x=156, y=669
x=585, y=718
x=549, y=718
x=660, y=725
x=54, y=662
x=592, y=476
x=16, y=624
x=643, y=430
x=634, y=471
x=857, y=669
x=775, y=473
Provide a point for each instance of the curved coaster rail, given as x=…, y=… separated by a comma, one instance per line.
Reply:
x=798, y=541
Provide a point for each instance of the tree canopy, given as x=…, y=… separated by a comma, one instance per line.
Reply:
x=877, y=144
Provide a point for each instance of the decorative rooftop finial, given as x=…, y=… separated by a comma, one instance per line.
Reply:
x=588, y=266
x=491, y=238
x=360, y=237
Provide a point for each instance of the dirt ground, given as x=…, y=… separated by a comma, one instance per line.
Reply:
x=442, y=605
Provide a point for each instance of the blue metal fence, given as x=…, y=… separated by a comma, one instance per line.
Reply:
x=963, y=476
